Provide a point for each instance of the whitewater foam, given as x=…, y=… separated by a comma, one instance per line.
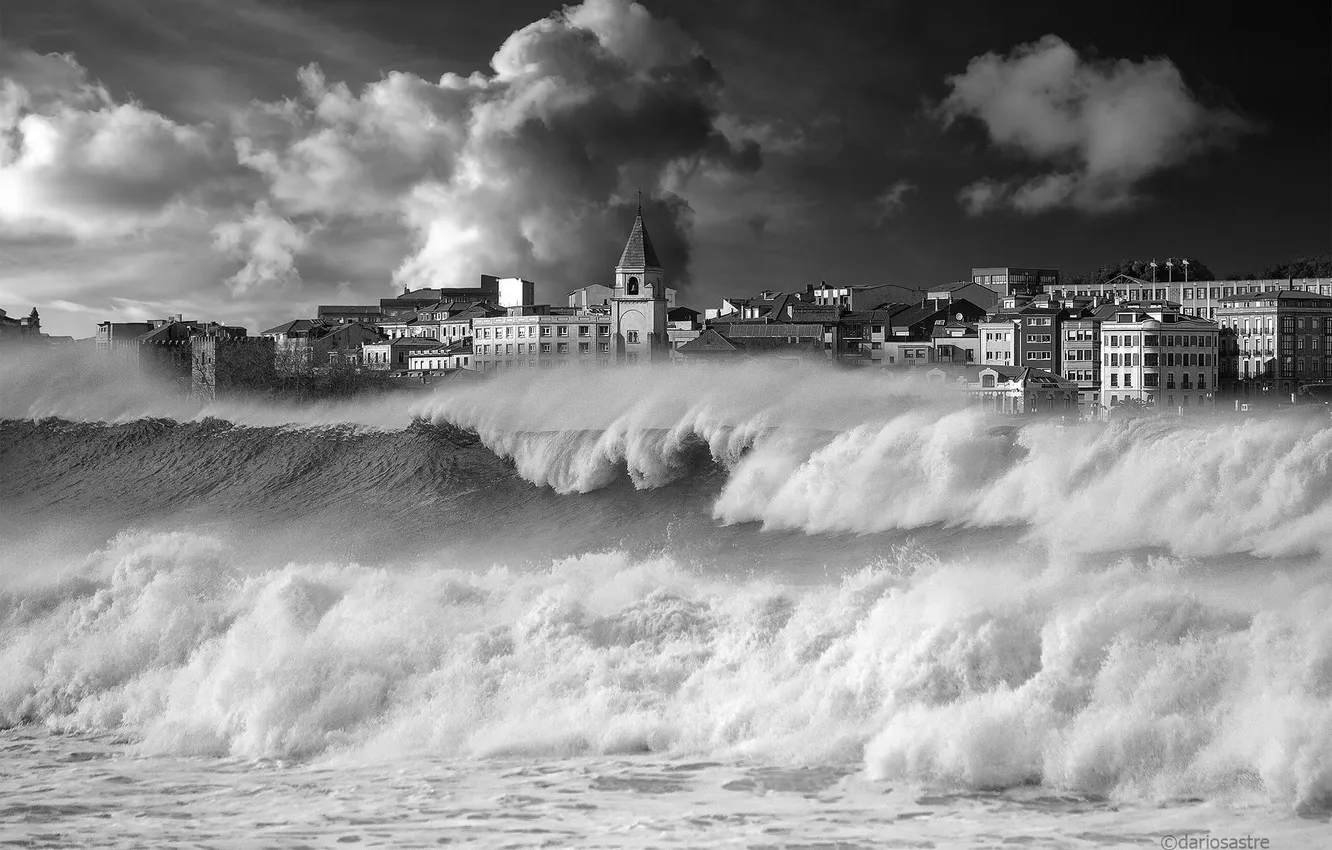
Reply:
x=1125, y=682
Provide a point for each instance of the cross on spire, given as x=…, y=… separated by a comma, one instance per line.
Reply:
x=640, y=200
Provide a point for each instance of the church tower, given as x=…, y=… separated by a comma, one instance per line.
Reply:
x=638, y=301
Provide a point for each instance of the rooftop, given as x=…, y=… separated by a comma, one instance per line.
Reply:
x=638, y=251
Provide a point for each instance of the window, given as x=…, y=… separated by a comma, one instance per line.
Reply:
x=545, y=330
x=632, y=287
x=1114, y=379
x=1151, y=379
x=562, y=347
x=1202, y=381
x=603, y=346
x=584, y=347
x=562, y=330
x=1128, y=379
x=631, y=336
x=584, y=330
x=603, y=330
x=1170, y=381
x=1151, y=340
x=508, y=332
x=545, y=348
x=1151, y=359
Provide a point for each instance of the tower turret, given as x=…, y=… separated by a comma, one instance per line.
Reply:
x=638, y=300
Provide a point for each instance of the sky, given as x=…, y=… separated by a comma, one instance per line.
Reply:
x=247, y=160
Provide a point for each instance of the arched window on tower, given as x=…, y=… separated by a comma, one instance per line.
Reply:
x=632, y=288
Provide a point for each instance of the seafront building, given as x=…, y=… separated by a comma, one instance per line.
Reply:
x=537, y=338
x=1196, y=298
x=1155, y=355
x=24, y=331
x=1275, y=342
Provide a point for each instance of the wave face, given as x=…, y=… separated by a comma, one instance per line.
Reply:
x=805, y=567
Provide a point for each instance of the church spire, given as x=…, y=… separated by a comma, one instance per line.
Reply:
x=638, y=251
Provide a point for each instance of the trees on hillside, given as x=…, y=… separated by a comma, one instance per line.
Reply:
x=1315, y=266
x=1197, y=270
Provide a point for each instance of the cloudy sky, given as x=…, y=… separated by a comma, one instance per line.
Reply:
x=247, y=160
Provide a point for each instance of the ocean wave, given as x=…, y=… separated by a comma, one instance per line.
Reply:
x=822, y=452
x=1157, y=680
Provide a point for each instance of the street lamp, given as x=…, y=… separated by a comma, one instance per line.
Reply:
x=1185, y=263
x=1170, y=271
x=1153, y=265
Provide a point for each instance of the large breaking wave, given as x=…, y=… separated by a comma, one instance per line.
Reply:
x=691, y=561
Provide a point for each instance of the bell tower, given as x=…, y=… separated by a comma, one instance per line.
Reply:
x=638, y=300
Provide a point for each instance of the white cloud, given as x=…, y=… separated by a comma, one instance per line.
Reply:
x=268, y=243
x=891, y=201
x=1104, y=127
x=73, y=161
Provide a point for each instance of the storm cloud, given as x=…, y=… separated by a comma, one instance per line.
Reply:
x=529, y=170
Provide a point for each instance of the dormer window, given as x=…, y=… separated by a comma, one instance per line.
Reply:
x=631, y=288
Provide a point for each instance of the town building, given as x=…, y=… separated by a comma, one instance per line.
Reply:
x=1082, y=356
x=503, y=291
x=682, y=325
x=25, y=331
x=454, y=355
x=1154, y=355
x=303, y=345
x=638, y=303
x=998, y=338
x=391, y=355
x=224, y=363
x=332, y=314
x=539, y=337
x=1006, y=280
x=1274, y=343
x=1196, y=298
x=865, y=297
x=956, y=343
x=1011, y=390
x=978, y=294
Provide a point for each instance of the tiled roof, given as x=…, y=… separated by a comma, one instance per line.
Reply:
x=294, y=326
x=638, y=251
x=709, y=341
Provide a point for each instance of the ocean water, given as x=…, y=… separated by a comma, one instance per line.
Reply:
x=740, y=607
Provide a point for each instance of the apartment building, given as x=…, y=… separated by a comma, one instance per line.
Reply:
x=542, y=340
x=1196, y=298
x=998, y=344
x=1156, y=355
x=1007, y=280
x=1082, y=356
x=1275, y=342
